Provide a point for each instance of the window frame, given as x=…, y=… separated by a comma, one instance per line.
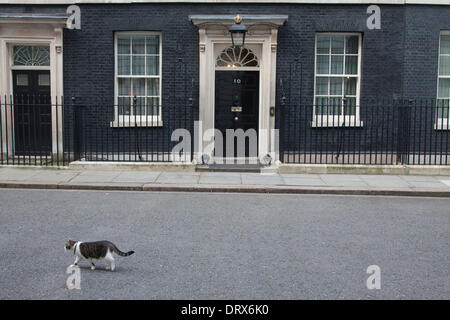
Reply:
x=132, y=119
x=341, y=120
x=441, y=123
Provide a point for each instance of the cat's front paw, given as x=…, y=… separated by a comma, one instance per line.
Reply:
x=92, y=267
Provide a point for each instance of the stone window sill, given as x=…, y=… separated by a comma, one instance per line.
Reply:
x=136, y=123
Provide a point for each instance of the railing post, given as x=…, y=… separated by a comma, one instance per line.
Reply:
x=403, y=131
x=137, y=150
x=191, y=120
x=400, y=132
x=77, y=130
x=281, y=118
x=408, y=130
x=1, y=128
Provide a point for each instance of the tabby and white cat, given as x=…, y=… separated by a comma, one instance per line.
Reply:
x=95, y=250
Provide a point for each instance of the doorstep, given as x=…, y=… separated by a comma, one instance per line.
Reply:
x=256, y=168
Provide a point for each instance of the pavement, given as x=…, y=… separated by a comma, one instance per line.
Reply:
x=243, y=182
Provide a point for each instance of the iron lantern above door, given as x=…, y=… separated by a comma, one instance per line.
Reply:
x=238, y=32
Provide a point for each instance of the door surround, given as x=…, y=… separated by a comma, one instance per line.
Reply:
x=32, y=30
x=213, y=32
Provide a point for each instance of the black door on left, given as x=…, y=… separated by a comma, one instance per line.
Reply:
x=32, y=112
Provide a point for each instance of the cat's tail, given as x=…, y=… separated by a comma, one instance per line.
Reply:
x=123, y=254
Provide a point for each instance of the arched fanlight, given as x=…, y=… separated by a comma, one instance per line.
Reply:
x=237, y=57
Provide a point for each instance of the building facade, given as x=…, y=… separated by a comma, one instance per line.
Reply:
x=316, y=81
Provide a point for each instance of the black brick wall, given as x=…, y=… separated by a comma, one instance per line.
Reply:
x=399, y=60
x=422, y=47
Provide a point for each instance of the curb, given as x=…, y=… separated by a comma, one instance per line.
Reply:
x=229, y=189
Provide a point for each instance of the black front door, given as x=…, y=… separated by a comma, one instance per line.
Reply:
x=237, y=105
x=32, y=112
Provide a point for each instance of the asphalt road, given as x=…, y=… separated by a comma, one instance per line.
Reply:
x=225, y=246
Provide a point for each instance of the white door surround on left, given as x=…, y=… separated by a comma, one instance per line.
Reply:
x=33, y=30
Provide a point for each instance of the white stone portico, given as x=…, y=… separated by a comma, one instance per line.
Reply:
x=261, y=38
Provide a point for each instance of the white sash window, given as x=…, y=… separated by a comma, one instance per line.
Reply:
x=337, y=79
x=443, y=96
x=138, y=79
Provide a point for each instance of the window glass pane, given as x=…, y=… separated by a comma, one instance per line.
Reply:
x=138, y=87
x=138, y=44
x=350, y=86
x=328, y=106
x=22, y=79
x=337, y=44
x=124, y=87
x=337, y=64
x=351, y=65
x=351, y=45
x=322, y=86
x=321, y=106
x=335, y=106
x=444, y=88
x=139, y=107
x=323, y=44
x=350, y=106
x=153, y=44
x=152, y=65
x=444, y=66
x=152, y=106
x=124, y=105
x=138, y=65
x=123, y=67
x=445, y=44
x=335, y=86
x=322, y=64
x=44, y=79
x=443, y=109
x=123, y=44
x=153, y=87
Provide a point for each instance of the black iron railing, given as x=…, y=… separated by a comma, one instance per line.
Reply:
x=33, y=131
x=374, y=131
x=132, y=133
x=36, y=130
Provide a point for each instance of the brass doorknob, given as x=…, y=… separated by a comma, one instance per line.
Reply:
x=236, y=118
